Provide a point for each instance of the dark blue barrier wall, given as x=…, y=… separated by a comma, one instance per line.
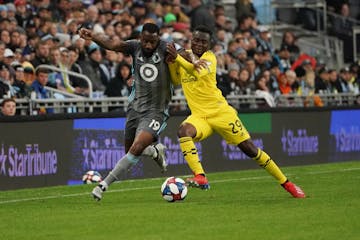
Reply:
x=52, y=150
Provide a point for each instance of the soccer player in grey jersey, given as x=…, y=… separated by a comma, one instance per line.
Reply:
x=148, y=101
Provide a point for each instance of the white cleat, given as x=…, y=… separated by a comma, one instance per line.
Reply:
x=161, y=159
x=98, y=191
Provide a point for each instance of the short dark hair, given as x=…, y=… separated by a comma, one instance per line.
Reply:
x=205, y=29
x=6, y=101
x=41, y=70
x=151, y=28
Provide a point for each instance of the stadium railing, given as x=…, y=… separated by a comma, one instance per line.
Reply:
x=71, y=73
x=178, y=103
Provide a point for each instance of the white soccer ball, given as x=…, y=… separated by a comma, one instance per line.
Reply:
x=91, y=177
x=174, y=189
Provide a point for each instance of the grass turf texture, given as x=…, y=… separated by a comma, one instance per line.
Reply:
x=240, y=205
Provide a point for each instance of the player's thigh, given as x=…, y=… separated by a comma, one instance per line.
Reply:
x=132, y=122
x=229, y=126
x=203, y=129
x=153, y=122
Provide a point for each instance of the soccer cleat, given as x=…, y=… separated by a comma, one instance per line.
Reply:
x=160, y=159
x=294, y=190
x=199, y=181
x=98, y=191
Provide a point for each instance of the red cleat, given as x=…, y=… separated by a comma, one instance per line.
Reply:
x=294, y=190
x=199, y=181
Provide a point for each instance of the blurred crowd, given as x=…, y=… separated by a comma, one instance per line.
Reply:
x=44, y=32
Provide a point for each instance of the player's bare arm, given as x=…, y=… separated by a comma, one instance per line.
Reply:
x=171, y=53
x=103, y=40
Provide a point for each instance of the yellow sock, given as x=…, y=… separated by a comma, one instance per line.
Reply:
x=191, y=155
x=264, y=161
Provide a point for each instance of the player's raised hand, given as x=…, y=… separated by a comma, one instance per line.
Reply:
x=85, y=33
x=200, y=64
x=172, y=53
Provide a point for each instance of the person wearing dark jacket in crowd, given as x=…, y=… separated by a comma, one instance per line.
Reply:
x=200, y=15
x=120, y=85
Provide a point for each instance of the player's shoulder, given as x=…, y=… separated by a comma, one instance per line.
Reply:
x=209, y=53
x=209, y=56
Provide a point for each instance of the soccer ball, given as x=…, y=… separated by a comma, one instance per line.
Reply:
x=174, y=189
x=91, y=177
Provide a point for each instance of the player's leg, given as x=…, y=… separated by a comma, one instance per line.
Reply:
x=194, y=129
x=155, y=123
x=142, y=140
x=230, y=127
x=265, y=161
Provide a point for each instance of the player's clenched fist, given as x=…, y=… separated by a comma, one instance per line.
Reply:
x=85, y=33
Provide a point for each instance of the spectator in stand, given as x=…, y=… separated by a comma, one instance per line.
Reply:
x=240, y=56
x=349, y=85
x=245, y=23
x=15, y=40
x=5, y=37
x=246, y=87
x=219, y=52
x=177, y=10
x=342, y=28
x=274, y=71
x=42, y=54
x=334, y=81
x=355, y=69
x=9, y=58
x=250, y=65
x=200, y=15
x=244, y=8
x=41, y=80
x=138, y=10
x=94, y=69
x=24, y=89
x=7, y=79
x=8, y=107
x=322, y=81
x=120, y=85
x=263, y=39
x=291, y=79
x=233, y=78
x=79, y=84
x=20, y=14
x=289, y=40
x=284, y=58
x=284, y=85
x=262, y=59
x=263, y=90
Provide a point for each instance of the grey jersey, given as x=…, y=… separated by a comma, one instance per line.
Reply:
x=151, y=89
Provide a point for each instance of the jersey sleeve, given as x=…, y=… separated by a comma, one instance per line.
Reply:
x=132, y=45
x=174, y=74
x=209, y=57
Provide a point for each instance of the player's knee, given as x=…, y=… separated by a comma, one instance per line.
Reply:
x=137, y=148
x=249, y=148
x=186, y=130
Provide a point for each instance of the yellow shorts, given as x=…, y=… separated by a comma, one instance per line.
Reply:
x=226, y=123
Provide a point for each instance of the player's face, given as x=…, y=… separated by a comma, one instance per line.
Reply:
x=200, y=43
x=149, y=42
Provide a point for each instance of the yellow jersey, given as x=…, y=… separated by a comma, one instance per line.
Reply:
x=200, y=90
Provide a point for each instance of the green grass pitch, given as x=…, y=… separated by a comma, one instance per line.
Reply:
x=240, y=205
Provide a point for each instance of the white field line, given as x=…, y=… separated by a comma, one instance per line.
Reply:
x=154, y=187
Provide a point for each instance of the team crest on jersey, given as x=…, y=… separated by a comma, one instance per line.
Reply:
x=149, y=72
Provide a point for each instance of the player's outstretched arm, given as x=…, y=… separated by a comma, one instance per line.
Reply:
x=103, y=40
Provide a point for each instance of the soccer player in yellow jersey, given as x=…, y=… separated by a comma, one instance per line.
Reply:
x=210, y=112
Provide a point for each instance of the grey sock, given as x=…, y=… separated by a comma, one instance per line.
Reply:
x=121, y=168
